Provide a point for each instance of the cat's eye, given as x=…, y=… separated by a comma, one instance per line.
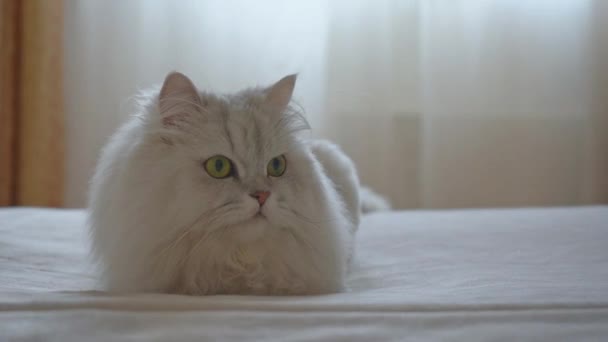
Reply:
x=276, y=166
x=218, y=167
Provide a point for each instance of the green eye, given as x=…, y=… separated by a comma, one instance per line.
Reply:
x=276, y=166
x=218, y=167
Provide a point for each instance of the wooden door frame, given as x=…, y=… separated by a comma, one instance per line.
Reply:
x=31, y=103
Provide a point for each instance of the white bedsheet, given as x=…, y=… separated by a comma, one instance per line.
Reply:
x=474, y=275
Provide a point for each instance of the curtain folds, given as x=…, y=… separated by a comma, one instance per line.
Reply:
x=441, y=104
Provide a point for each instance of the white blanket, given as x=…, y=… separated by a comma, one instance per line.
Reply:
x=462, y=275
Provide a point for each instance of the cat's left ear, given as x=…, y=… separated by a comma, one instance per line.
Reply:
x=178, y=97
x=279, y=94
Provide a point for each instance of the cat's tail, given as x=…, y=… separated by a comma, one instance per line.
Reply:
x=372, y=201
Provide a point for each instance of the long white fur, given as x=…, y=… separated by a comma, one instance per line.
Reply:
x=160, y=223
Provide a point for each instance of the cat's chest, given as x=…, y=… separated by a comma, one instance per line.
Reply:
x=276, y=265
x=256, y=271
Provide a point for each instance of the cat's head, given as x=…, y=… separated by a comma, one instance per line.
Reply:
x=229, y=161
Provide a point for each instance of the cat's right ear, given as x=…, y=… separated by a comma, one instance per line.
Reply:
x=279, y=94
x=178, y=98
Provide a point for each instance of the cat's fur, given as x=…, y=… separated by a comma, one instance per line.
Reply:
x=160, y=223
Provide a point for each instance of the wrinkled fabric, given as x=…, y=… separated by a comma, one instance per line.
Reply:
x=475, y=275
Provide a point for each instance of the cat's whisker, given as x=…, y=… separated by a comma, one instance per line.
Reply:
x=188, y=228
x=305, y=219
x=218, y=212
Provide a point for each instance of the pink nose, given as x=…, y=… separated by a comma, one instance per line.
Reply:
x=261, y=196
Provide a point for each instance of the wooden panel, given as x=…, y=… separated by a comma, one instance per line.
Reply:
x=8, y=101
x=40, y=127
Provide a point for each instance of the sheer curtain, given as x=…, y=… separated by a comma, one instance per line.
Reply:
x=508, y=103
x=440, y=104
x=115, y=48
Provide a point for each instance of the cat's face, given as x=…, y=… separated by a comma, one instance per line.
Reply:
x=236, y=161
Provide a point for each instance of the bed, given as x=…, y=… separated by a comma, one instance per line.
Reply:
x=463, y=275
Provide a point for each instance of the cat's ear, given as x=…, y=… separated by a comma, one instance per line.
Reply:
x=279, y=94
x=178, y=97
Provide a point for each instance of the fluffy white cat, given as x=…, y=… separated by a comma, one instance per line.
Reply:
x=206, y=194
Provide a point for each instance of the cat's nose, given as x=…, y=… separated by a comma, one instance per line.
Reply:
x=261, y=196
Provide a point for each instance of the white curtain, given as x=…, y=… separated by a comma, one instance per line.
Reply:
x=440, y=103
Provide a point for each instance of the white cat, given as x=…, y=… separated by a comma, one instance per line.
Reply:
x=206, y=194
